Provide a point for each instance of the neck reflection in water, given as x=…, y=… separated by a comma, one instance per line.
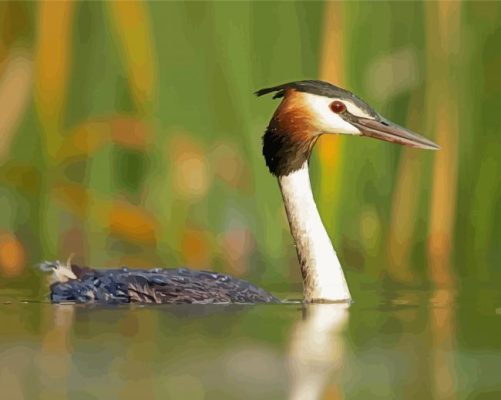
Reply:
x=316, y=351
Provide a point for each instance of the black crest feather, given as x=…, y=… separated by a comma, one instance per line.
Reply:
x=309, y=86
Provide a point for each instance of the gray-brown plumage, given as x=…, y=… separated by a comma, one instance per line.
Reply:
x=154, y=286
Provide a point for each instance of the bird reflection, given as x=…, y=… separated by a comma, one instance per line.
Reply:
x=443, y=350
x=316, y=350
x=54, y=359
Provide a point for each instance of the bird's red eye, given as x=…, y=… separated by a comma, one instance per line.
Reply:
x=338, y=106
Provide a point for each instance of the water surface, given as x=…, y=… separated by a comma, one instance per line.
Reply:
x=393, y=345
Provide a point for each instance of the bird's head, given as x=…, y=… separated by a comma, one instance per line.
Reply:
x=312, y=108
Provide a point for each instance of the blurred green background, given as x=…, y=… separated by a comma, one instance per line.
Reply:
x=129, y=134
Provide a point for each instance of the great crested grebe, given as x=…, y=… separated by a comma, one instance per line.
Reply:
x=308, y=109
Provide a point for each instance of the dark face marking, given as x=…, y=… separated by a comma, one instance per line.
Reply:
x=290, y=136
x=282, y=153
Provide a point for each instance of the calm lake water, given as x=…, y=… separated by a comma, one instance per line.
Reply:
x=389, y=345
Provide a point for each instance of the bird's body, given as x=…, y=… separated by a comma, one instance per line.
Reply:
x=152, y=286
x=308, y=109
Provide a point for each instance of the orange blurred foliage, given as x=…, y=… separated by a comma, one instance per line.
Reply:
x=196, y=249
x=132, y=223
x=133, y=29
x=126, y=131
x=237, y=246
x=229, y=166
x=332, y=70
x=12, y=255
x=84, y=140
x=15, y=91
x=130, y=132
x=24, y=177
x=52, y=66
x=125, y=220
x=75, y=196
x=444, y=117
x=191, y=176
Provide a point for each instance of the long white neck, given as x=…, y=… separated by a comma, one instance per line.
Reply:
x=323, y=276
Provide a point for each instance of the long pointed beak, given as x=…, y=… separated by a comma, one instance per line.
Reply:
x=390, y=132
